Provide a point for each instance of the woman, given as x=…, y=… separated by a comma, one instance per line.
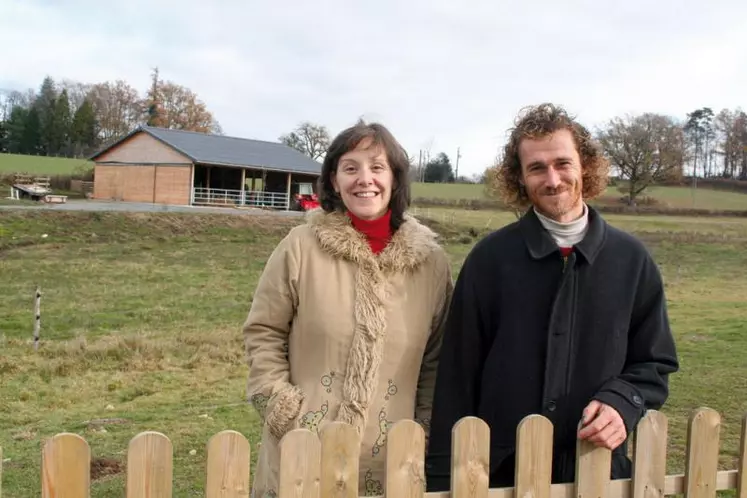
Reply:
x=347, y=316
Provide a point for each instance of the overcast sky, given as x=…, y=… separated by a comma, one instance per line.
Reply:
x=439, y=74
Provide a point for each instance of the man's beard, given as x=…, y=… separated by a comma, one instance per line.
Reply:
x=556, y=208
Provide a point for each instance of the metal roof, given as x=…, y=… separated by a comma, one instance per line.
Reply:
x=229, y=151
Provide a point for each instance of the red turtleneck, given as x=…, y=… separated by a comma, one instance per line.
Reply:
x=378, y=232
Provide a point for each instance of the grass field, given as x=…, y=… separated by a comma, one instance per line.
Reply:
x=674, y=197
x=41, y=165
x=141, y=316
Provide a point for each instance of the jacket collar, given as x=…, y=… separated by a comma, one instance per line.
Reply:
x=540, y=243
x=409, y=247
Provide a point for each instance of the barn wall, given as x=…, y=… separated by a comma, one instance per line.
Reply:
x=142, y=148
x=173, y=184
x=143, y=183
x=124, y=183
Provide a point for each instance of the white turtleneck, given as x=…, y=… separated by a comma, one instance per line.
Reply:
x=566, y=234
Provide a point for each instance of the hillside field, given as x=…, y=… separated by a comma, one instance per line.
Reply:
x=41, y=165
x=141, y=317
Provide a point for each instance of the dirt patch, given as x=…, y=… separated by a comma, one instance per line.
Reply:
x=105, y=467
x=452, y=232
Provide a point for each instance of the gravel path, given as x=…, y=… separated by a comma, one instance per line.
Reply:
x=84, y=205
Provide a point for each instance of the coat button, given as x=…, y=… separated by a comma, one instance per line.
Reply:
x=551, y=406
x=637, y=400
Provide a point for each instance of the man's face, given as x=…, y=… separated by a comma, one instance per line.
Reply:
x=551, y=173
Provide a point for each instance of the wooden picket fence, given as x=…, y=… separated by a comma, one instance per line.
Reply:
x=326, y=466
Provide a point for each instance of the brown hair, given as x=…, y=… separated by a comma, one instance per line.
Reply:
x=348, y=140
x=540, y=121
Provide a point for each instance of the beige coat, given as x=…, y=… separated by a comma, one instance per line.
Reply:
x=336, y=333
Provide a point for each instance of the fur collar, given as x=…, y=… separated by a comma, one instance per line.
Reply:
x=410, y=246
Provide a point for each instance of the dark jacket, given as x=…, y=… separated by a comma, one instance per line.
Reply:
x=530, y=333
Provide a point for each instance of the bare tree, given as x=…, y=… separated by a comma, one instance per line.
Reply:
x=646, y=149
x=308, y=138
x=169, y=105
x=117, y=107
x=76, y=92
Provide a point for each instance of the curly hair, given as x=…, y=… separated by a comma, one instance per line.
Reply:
x=539, y=121
x=348, y=140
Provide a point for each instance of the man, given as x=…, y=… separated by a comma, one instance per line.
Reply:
x=557, y=314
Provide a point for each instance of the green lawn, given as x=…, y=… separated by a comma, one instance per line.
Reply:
x=141, y=314
x=41, y=165
x=674, y=197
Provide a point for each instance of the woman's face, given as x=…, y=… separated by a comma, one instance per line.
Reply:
x=364, y=181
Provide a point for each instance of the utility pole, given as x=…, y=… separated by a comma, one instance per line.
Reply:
x=420, y=165
x=456, y=173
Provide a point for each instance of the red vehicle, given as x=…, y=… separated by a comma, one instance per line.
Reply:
x=305, y=199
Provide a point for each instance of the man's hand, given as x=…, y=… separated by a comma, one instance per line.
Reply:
x=602, y=425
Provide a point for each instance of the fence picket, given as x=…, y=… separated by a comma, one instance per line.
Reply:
x=742, y=466
x=300, y=465
x=228, y=457
x=405, y=462
x=593, y=467
x=650, y=456
x=470, y=466
x=150, y=466
x=66, y=467
x=534, y=457
x=341, y=448
x=314, y=468
x=703, y=433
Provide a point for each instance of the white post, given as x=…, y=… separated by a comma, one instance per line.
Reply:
x=288, y=193
x=37, y=317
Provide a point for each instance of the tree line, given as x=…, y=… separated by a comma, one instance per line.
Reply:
x=74, y=119
x=643, y=149
x=313, y=139
x=653, y=148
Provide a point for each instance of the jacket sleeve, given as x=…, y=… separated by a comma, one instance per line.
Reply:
x=652, y=356
x=265, y=331
x=457, y=391
x=429, y=366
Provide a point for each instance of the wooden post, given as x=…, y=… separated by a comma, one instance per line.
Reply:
x=470, y=461
x=243, y=185
x=288, y=193
x=340, y=461
x=37, y=317
x=66, y=465
x=149, y=466
x=742, y=480
x=593, y=466
x=650, y=456
x=534, y=441
x=300, y=465
x=228, y=466
x=703, y=434
x=405, y=462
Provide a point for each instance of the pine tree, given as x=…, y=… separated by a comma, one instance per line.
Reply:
x=83, y=129
x=15, y=129
x=31, y=140
x=44, y=105
x=59, y=126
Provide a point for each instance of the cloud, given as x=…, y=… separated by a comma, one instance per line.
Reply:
x=439, y=74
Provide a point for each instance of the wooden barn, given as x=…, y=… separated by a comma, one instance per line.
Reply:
x=163, y=166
